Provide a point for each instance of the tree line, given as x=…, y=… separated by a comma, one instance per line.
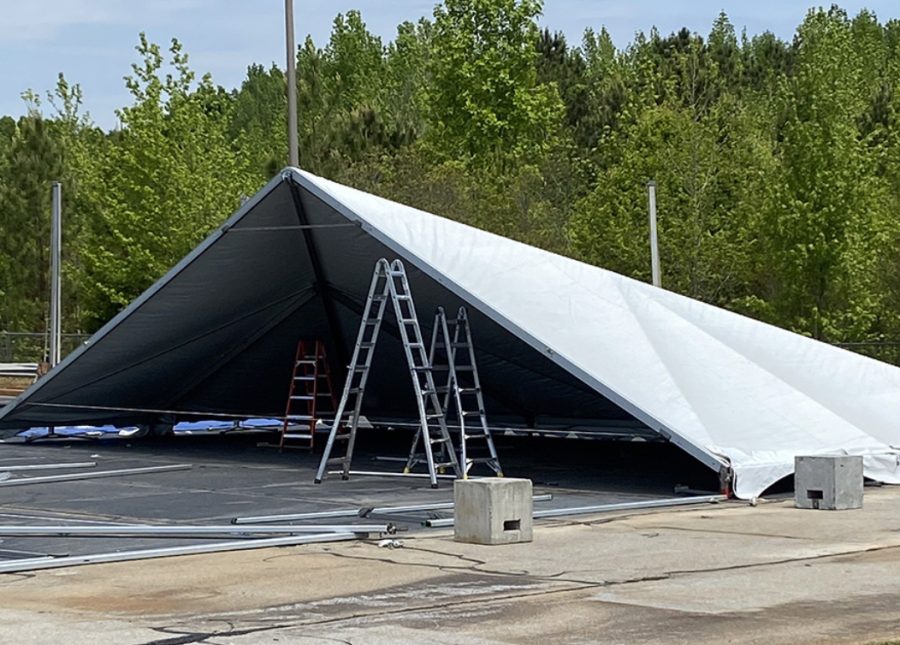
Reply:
x=777, y=163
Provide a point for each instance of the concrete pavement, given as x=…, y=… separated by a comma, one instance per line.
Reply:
x=720, y=573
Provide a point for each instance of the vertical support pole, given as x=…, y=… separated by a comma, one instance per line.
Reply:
x=293, y=150
x=654, y=243
x=55, y=295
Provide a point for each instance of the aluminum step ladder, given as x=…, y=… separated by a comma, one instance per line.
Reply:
x=452, y=342
x=389, y=282
x=310, y=383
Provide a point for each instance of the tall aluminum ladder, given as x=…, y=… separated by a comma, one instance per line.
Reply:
x=389, y=281
x=310, y=382
x=463, y=390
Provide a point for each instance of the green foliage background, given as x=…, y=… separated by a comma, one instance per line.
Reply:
x=777, y=163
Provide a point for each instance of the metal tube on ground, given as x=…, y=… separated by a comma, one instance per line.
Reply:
x=33, y=564
x=377, y=473
x=150, y=530
x=74, y=464
x=93, y=475
x=359, y=512
x=604, y=508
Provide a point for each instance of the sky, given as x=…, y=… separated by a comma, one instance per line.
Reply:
x=92, y=41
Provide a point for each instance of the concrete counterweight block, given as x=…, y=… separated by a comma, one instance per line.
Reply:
x=492, y=511
x=828, y=482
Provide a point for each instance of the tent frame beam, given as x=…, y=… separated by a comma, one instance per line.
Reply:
x=321, y=282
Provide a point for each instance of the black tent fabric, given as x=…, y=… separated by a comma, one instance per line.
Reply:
x=217, y=334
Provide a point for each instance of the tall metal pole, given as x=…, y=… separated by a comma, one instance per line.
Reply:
x=55, y=294
x=654, y=243
x=291, y=82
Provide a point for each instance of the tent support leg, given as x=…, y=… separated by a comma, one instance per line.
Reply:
x=726, y=479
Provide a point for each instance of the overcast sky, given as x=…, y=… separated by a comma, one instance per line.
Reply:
x=92, y=41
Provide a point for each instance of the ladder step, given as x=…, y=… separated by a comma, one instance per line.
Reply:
x=302, y=397
x=293, y=435
x=304, y=361
x=439, y=440
x=403, y=297
x=304, y=378
x=409, y=321
x=299, y=417
x=469, y=390
x=472, y=413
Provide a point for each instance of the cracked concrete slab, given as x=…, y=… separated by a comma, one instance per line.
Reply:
x=727, y=572
x=722, y=572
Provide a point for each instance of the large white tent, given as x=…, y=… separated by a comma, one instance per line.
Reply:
x=562, y=343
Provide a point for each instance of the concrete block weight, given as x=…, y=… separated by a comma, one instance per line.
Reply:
x=492, y=511
x=828, y=482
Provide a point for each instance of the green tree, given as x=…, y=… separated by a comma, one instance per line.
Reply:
x=486, y=106
x=175, y=175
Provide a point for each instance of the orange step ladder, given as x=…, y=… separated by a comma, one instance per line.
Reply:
x=310, y=383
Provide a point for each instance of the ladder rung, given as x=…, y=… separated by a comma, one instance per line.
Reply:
x=293, y=435
x=409, y=321
x=304, y=378
x=472, y=413
x=366, y=345
x=469, y=390
x=299, y=417
x=302, y=397
x=467, y=368
x=439, y=440
x=306, y=361
x=403, y=297
x=336, y=460
x=434, y=416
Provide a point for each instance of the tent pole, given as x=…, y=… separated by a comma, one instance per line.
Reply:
x=55, y=253
x=321, y=283
x=294, y=153
x=654, y=243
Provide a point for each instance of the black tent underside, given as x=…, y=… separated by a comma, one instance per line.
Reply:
x=218, y=333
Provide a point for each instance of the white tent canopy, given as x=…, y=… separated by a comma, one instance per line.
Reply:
x=735, y=393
